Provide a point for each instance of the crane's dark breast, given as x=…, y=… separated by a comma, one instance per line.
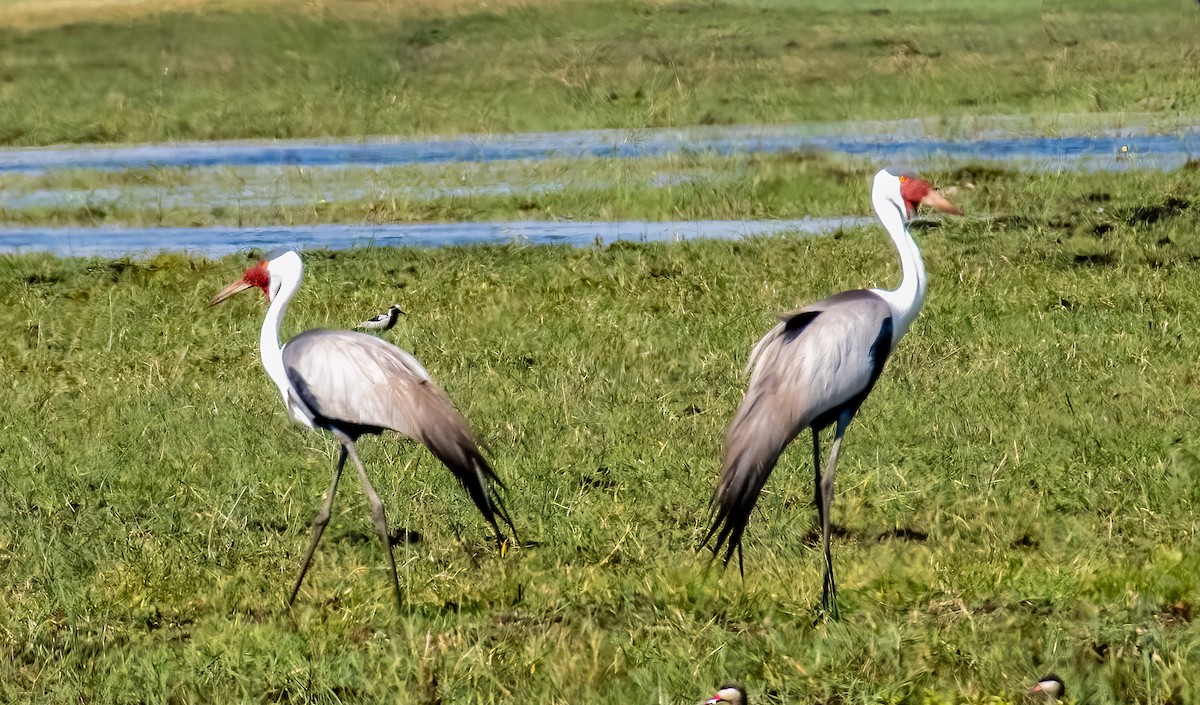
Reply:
x=881, y=348
x=320, y=419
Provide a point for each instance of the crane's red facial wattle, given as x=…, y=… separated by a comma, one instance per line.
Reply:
x=260, y=277
x=913, y=191
x=256, y=276
x=917, y=191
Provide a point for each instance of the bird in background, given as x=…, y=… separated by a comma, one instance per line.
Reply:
x=1050, y=688
x=732, y=693
x=384, y=321
x=813, y=370
x=352, y=384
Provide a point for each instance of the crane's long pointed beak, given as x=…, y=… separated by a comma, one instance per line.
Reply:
x=933, y=199
x=239, y=285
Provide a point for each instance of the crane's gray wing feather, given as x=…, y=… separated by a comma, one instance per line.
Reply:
x=357, y=380
x=361, y=380
x=817, y=362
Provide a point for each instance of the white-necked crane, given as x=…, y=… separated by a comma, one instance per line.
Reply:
x=352, y=384
x=814, y=369
x=384, y=321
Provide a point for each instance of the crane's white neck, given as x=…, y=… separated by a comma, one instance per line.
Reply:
x=286, y=271
x=906, y=300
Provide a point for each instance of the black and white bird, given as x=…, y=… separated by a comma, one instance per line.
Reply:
x=732, y=693
x=814, y=369
x=1050, y=688
x=352, y=384
x=384, y=321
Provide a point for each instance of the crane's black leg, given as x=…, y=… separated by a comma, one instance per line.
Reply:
x=819, y=500
x=318, y=525
x=377, y=514
x=829, y=591
x=822, y=517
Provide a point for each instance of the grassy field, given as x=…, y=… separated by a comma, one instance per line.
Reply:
x=1019, y=494
x=129, y=71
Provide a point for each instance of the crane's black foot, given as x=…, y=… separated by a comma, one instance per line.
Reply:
x=829, y=607
x=826, y=613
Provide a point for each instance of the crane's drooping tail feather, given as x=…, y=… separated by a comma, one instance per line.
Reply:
x=453, y=445
x=753, y=444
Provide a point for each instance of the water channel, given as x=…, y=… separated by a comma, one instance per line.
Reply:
x=900, y=142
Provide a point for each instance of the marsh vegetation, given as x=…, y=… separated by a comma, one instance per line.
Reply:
x=363, y=67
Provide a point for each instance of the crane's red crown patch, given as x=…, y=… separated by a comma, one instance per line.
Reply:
x=259, y=276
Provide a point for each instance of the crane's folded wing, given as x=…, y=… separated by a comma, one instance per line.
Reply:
x=359, y=379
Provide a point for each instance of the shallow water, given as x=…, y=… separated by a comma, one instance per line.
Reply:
x=259, y=168
x=217, y=241
x=889, y=143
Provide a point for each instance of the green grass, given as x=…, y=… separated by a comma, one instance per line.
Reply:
x=1018, y=495
x=382, y=69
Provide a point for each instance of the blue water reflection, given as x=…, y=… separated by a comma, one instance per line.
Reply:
x=1103, y=151
x=216, y=241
